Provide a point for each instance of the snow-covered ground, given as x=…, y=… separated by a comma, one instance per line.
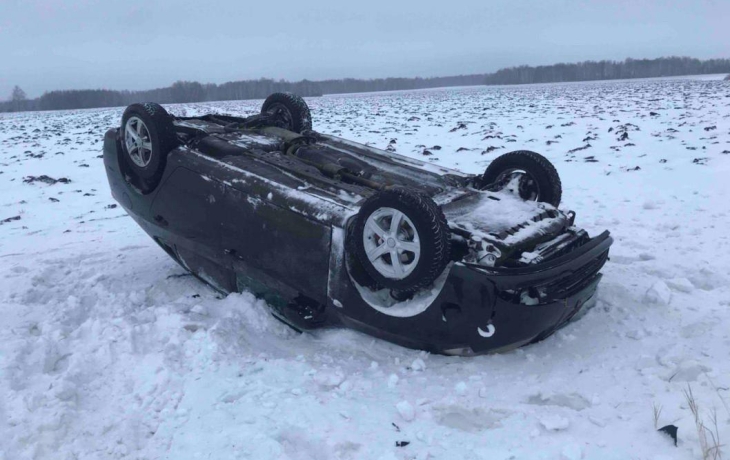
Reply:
x=109, y=350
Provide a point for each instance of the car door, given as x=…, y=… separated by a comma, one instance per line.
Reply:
x=188, y=210
x=188, y=205
x=270, y=244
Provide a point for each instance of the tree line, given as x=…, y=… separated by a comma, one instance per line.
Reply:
x=191, y=91
x=608, y=70
x=180, y=91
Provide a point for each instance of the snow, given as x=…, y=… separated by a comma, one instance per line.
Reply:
x=659, y=294
x=554, y=422
x=109, y=350
x=494, y=212
x=406, y=411
x=383, y=302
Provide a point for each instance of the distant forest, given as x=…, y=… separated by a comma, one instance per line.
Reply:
x=191, y=91
x=608, y=70
x=186, y=91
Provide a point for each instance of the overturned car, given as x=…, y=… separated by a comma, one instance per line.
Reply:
x=335, y=233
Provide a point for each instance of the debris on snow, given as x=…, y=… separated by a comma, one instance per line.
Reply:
x=671, y=431
x=9, y=219
x=46, y=180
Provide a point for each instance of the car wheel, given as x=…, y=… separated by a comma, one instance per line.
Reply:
x=290, y=109
x=354, y=267
x=401, y=239
x=527, y=174
x=147, y=135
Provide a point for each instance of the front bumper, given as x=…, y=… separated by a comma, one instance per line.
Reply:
x=479, y=310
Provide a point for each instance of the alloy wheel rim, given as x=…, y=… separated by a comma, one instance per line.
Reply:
x=392, y=243
x=138, y=141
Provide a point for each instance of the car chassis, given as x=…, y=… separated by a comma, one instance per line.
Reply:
x=251, y=204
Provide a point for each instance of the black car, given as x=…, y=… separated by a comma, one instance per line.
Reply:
x=335, y=233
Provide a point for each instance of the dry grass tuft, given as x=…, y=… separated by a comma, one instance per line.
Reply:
x=657, y=414
x=709, y=436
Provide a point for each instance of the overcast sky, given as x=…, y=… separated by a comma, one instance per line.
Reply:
x=142, y=44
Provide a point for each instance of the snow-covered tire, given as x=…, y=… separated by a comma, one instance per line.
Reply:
x=540, y=181
x=292, y=109
x=417, y=234
x=147, y=136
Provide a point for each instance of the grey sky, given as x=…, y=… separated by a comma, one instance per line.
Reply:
x=142, y=44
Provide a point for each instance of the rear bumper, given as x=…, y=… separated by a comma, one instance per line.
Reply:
x=478, y=310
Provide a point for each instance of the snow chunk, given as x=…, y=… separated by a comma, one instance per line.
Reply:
x=658, y=294
x=328, y=379
x=406, y=411
x=573, y=401
x=199, y=309
x=572, y=451
x=392, y=381
x=681, y=285
x=418, y=365
x=687, y=371
x=555, y=423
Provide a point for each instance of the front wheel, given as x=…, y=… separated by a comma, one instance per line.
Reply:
x=401, y=239
x=524, y=173
x=147, y=135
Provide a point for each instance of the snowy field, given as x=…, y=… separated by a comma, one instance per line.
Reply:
x=109, y=350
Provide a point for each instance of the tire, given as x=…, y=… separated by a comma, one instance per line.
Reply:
x=145, y=169
x=422, y=241
x=540, y=181
x=354, y=267
x=292, y=108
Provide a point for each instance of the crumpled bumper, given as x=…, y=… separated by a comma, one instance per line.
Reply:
x=479, y=310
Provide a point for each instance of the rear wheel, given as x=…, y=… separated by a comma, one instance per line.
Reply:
x=524, y=173
x=290, y=109
x=401, y=240
x=148, y=135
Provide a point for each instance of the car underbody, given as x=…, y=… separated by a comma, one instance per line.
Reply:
x=249, y=204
